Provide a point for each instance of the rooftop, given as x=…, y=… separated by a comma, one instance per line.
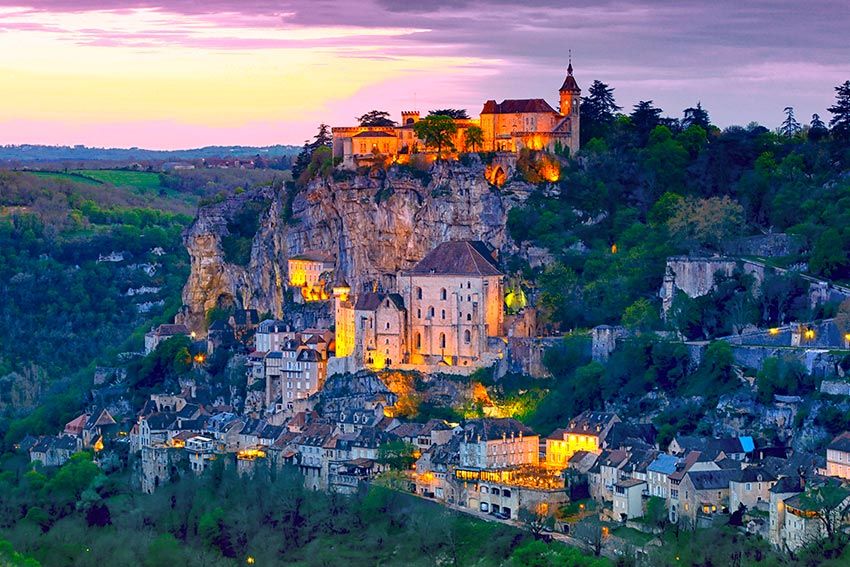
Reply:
x=458, y=258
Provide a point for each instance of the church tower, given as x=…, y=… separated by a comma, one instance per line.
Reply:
x=570, y=103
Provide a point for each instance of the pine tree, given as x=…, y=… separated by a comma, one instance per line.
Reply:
x=840, y=122
x=790, y=127
x=817, y=129
x=645, y=117
x=696, y=116
x=597, y=111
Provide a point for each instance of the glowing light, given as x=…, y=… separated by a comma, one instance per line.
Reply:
x=251, y=454
x=192, y=334
x=249, y=560
x=515, y=300
x=200, y=358
x=98, y=445
x=809, y=334
x=847, y=337
x=774, y=331
x=495, y=175
x=614, y=248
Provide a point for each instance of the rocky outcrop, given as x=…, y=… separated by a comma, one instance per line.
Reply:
x=374, y=226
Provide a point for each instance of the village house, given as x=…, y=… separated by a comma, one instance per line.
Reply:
x=489, y=443
x=606, y=473
x=782, y=490
x=627, y=498
x=54, y=451
x=585, y=432
x=838, y=457
x=160, y=464
x=162, y=333
x=751, y=489
x=202, y=451
x=705, y=493
x=658, y=475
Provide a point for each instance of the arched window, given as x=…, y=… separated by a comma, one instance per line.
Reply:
x=430, y=312
x=388, y=325
x=467, y=336
x=442, y=340
x=469, y=316
x=442, y=314
x=443, y=294
x=418, y=313
x=418, y=293
x=468, y=285
x=418, y=340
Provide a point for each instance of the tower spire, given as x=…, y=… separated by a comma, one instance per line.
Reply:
x=570, y=66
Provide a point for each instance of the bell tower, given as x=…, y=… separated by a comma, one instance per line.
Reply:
x=570, y=93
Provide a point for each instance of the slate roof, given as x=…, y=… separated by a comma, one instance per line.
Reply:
x=370, y=301
x=755, y=474
x=309, y=355
x=517, y=106
x=458, y=258
x=168, y=329
x=570, y=83
x=491, y=429
x=272, y=326
x=841, y=443
x=664, y=464
x=589, y=422
x=712, y=480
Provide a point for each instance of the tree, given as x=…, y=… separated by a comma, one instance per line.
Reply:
x=706, y=222
x=696, y=116
x=645, y=117
x=817, y=129
x=474, y=138
x=376, y=118
x=437, y=132
x=456, y=113
x=640, y=316
x=790, y=127
x=397, y=455
x=597, y=111
x=830, y=505
x=656, y=512
x=536, y=520
x=840, y=121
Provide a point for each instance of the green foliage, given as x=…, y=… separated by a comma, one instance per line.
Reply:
x=398, y=455
x=785, y=376
x=241, y=229
x=436, y=131
x=170, y=360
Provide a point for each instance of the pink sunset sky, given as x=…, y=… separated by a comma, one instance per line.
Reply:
x=167, y=74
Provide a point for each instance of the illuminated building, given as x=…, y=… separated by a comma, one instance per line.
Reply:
x=586, y=432
x=305, y=275
x=508, y=126
x=838, y=457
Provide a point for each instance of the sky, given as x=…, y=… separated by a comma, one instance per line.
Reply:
x=168, y=74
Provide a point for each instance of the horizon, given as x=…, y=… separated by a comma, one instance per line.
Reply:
x=169, y=75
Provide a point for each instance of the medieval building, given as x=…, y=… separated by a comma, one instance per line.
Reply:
x=507, y=126
x=446, y=311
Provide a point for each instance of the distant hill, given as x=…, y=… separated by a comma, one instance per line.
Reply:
x=37, y=153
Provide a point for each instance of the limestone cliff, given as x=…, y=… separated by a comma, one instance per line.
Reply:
x=373, y=225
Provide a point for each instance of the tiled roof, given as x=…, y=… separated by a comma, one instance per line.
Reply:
x=570, y=83
x=314, y=257
x=517, y=106
x=458, y=258
x=167, y=329
x=712, y=480
x=370, y=301
x=841, y=443
x=373, y=135
x=589, y=422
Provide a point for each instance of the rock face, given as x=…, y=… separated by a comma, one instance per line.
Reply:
x=374, y=226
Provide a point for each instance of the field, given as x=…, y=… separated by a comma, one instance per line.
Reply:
x=144, y=180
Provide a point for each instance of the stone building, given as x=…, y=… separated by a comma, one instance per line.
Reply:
x=162, y=334
x=488, y=444
x=585, y=432
x=838, y=456
x=507, y=126
x=448, y=311
x=305, y=276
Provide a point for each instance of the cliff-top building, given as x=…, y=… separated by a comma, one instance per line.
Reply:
x=446, y=311
x=507, y=126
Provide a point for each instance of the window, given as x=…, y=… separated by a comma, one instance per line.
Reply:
x=443, y=294
x=442, y=340
x=418, y=313
x=388, y=325
x=467, y=336
x=442, y=314
x=418, y=340
x=469, y=316
x=430, y=312
x=418, y=293
x=468, y=285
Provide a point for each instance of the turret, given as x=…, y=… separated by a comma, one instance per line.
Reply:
x=570, y=94
x=409, y=117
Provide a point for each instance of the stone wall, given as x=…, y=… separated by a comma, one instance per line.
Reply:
x=765, y=245
x=525, y=356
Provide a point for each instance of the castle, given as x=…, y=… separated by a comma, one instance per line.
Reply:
x=508, y=126
x=447, y=311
